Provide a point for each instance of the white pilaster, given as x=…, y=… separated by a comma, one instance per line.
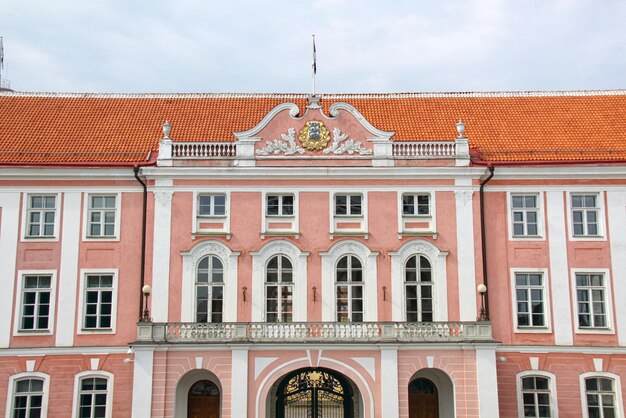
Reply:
x=561, y=304
x=465, y=255
x=487, y=382
x=389, y=381
x=616, y=202
x=239, y=382
x=161, y=254
x=9, y=230
x=68, y=274
x=142, y=382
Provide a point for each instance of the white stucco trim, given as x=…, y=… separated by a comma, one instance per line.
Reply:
x=554, y=406
x=18, y=302
x=334, y=109
x=389, y=381
x=437, y=260
x=28, y=375
x=80, y=329
x=559, y=275
x=250, y=133
x=191, y=259
x=299, y=261
x=465, y=254
x=487, y=381
x=142, y=382
x=601, y=216
x=616, y=206
x=9, y=237
x=608, y=301
x=118, y=216
x=110, y=378
x=68, y=273
x=547, y=328
x=617, y=387
x=161, y=255
x=541, y=227
x=370, y=278
x=58, y=214
x=239, y=382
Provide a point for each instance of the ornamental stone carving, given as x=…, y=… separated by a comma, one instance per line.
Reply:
x=287, y=145
x=163, y=197
x=463, y=196
x=341, y=144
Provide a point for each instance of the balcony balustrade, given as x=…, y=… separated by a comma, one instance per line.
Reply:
x=314, y=332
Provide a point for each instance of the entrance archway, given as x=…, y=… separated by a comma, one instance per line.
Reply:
x=314, y=393
x=431, y=395
x=203, y=400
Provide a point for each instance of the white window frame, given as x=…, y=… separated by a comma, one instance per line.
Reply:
x=86, y=216
x=362, y=219
x=211, y=287
x=415, y=205
x=57, y=217
x=279, y=284
x=196, y=217
x=78, y=377
x=551, y=386
x=609, y=329
x=438, y=273
x=298, y=260
x=541, y=236
x=280, y=196
x=600, y=196
x=348, y=205
x=293, y=219
x=350, y=285
x=17, y=331
x=617, y=387
x=418, y=284
x=547, y=328
x=28, y=375
x=212, y=195
x=81, y=301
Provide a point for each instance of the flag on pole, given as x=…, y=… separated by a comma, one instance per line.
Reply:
x=314, y=58
x=1, y=54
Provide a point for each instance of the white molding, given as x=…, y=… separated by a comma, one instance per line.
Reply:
x=554, y=406
x=334, y=109
x=118, y=216
x=53, y=351
x=298, y=259
x=250, y=133
x=466, y=257
x=437, y=260
x=616, y=213
x=601, y=217
x=389, y=381
x=18, y=303
x=59, y=209
x=554, y=172
x=239, y=382
x=191, y=259
x=559, y=275
x=142, y=383
x=9, y=237
x=541, y=222
x=362, y=218
x=81, y=301
x=295, y=218
x=542, y=349
x=110, y=378
x=68, y=271
x=487, y=380
x=370, y=278
x=161, y=242
x=64, y=173
x=28, y=375
x=617, y=388
x=195, y=219
x=608, y=300
x=432, y=218
x=546, y=301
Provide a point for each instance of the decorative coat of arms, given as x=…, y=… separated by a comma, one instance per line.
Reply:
x=314, y=135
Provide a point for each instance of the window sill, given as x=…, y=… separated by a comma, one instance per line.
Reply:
x=432, y=234
x=294, y=234
x=91, y=331
x=31, y=332
x=349, y=234
x=100, y=238
x=533, y=330
x=225, y=234
x=595, y=331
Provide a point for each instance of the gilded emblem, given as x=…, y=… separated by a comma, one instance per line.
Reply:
x=314, y=135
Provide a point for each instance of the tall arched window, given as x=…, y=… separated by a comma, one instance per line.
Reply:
x=418, y=289
x=279, y=290
x=209, y=289
x=349, y=283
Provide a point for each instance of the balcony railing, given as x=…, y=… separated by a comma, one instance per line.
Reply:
x=203, y=150
x=321, y=332
x=424, y=150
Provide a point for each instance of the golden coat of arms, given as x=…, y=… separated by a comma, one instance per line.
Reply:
x=314, y=135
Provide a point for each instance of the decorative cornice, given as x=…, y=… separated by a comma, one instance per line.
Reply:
x=250, y=133
x=334, y=109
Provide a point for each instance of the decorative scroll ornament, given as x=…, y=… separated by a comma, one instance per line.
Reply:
x=342, y=144
x=314, y=135
x=288, y=145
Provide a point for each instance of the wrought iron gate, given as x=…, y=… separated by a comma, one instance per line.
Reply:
x=314, y=393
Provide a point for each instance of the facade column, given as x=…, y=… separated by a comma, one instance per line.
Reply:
x=465, y=255
x=9, y=237
x=487, y=380
x=389, y=381
x=616, y=202
x=68, y=272
x=161, y=254
x=142, y=382
x=239, y=382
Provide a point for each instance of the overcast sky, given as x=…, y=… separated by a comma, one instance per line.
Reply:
x=265, y=45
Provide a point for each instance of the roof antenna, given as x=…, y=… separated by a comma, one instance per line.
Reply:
x=313, y=99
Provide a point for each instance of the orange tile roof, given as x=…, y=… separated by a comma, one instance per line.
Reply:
x=123, y=128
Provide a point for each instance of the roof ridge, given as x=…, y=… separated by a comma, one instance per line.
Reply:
x=403, y=95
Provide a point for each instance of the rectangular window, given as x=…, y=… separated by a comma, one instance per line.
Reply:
x=93, y=397
x=98, y=301
x=525, y=215
x=416, y=204
x=585, y=215
x=28, y=398
x=591, y=300
x=212, y=205
x=536, y=397
x=40, y=216
x=349, y=205
x=279, y=205
x=36, y=299
x=600, y=394
x=101, y=215
x=529, y=291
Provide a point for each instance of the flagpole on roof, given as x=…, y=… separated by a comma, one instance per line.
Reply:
x=1, y=59
x=314, y=65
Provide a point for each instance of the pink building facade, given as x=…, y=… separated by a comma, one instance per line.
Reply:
x=292, y=256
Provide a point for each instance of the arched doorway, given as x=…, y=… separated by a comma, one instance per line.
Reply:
x=203, y=400
x=423, y=399
x=314, y=393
